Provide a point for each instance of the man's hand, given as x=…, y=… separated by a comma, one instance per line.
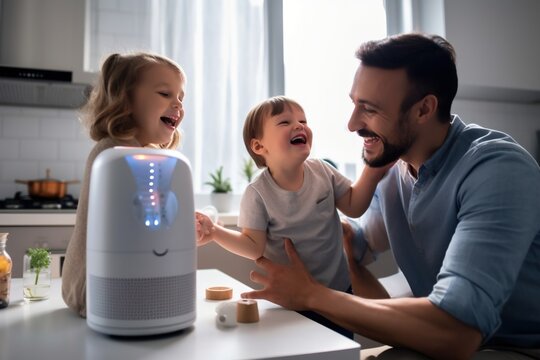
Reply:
x=290, y=286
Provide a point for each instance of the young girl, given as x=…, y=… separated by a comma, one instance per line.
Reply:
x=294, y=197
x=137, y=102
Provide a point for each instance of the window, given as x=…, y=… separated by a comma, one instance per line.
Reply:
x=320, y=39
x=224, y=47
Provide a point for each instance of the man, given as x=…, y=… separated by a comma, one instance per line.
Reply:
x=460, y=210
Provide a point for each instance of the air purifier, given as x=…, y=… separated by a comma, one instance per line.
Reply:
x=141, y=249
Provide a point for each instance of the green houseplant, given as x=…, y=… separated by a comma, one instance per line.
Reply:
x=249, y=169
x=37, y=274
x=221, y=193
x=219, y=183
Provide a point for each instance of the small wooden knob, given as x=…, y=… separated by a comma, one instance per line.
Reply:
x=247, y=311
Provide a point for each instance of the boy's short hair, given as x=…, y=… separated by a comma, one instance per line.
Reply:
x=253, y=126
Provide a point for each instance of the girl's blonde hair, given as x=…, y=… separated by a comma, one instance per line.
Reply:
x=253, y=126
x=107, y=112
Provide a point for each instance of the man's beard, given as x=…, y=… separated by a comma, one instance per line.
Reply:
x=391, y=152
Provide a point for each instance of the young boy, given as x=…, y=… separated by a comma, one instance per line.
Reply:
x=294, y=197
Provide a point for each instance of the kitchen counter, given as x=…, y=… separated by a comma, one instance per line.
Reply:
x=37, y=217
x=65, y=218
x=48, y=330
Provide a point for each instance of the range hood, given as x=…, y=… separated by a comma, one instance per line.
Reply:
x=41, y=88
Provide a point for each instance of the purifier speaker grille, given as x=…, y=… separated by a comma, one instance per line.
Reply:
x=142, y=298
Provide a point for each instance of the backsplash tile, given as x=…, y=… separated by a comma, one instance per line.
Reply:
x=24, y=170
x=59, y=129
x=20, y=127
x=37, y=149
x=33, y=140
x=57, y=170
x=75, y=150
x=9, y=149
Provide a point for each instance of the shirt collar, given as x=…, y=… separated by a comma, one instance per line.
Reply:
x=434, y=163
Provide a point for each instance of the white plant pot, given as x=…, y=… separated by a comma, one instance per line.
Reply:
x=221, y=201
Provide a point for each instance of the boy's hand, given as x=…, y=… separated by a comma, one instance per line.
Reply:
x=204, y=227
x=377, y=173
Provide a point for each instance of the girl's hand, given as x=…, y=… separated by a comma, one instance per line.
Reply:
x=204, y=227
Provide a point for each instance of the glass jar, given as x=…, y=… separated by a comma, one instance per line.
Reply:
x=5, y=271
x=36, y=274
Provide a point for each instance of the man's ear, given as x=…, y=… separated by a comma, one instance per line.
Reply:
x=256, y=146
x=427, y=108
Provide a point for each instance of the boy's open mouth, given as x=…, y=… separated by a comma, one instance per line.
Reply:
x=299, y=139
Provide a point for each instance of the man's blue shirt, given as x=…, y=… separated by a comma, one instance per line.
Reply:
x=466, y=232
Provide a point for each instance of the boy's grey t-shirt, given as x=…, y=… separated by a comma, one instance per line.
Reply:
x=307, y=216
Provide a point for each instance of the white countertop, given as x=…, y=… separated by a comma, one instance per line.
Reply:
x=65, y=218
x=48, y=330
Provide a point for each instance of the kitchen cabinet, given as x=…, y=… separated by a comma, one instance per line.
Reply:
x=21, y=238
x=39, y=228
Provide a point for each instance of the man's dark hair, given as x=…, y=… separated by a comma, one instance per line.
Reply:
x=429, y=61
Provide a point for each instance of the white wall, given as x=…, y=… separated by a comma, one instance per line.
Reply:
x=521, y=121
x=498, y=54
x=496, y=42
x=44, y=34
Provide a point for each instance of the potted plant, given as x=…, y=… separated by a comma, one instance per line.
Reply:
x=249, y=169
x=221, y=193
x=37, y=274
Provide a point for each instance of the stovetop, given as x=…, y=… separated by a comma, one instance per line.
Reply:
x=26, y=202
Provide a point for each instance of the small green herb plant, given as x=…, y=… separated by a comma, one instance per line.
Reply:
x=249, y=169
x=219, y=183
x=39, y=259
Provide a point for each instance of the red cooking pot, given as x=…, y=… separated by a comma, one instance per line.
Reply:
x=47, y=188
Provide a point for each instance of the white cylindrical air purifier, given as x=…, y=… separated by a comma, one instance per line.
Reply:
x=141, y=250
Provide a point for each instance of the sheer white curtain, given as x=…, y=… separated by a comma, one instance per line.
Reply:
x=320, y=66
x=222, y=46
